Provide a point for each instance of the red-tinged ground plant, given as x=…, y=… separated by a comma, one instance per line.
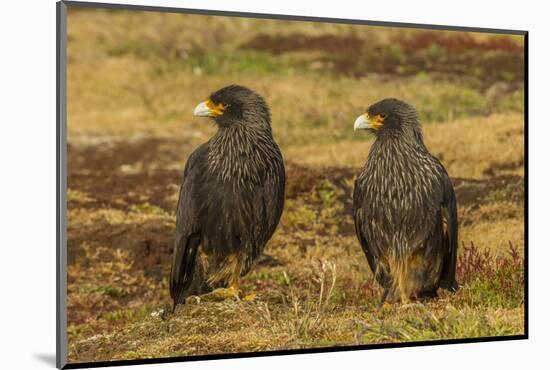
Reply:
x=488, y=279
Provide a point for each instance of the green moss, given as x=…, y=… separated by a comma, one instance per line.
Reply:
x=299, y=216
x=327, y=193
x=420, y=324
x=451, y=102
x=111, y=291
x=130, y=314
x=513, y=101
x=503, y=290
x=500, y=195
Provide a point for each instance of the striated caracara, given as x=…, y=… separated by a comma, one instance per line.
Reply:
x=231, y=197
x=404, y=207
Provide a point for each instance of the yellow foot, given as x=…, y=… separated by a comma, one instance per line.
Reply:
x=222, y=294
x=250, y=297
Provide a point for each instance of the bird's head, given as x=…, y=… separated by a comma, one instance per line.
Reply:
x=389, y=116
x=233, y=105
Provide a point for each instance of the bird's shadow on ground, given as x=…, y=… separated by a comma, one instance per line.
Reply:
x=47, y=358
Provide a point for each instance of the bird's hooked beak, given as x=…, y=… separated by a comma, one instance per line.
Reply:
x=209, y=109
x=364, y=122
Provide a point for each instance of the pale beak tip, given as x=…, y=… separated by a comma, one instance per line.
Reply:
x=201, y=110
x=360, y=123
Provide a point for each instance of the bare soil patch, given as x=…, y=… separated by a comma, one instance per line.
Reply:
x=450, y=57
x=98, y=174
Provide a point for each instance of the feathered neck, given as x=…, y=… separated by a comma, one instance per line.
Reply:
x=408, y=136
x=242, y=153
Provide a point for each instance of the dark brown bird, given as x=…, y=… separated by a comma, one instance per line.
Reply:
x=231, y=197
x=404, y=207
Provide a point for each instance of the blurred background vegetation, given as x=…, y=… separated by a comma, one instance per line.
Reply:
x=133, y=70
x=133, y=80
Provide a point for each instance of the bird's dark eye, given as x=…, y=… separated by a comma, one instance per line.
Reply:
x=383, y=115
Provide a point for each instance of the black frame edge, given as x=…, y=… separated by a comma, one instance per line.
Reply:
x=61, y=182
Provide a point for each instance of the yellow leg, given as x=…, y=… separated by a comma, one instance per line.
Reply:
x=222, y=294
x=231, y=292
x=247, y=297
x=234, y=287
